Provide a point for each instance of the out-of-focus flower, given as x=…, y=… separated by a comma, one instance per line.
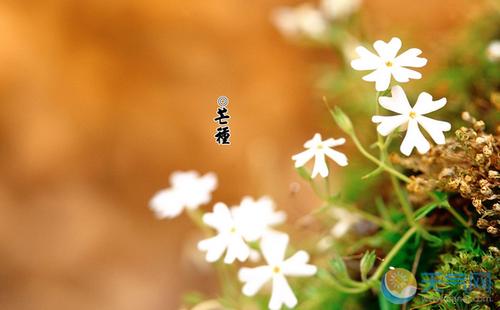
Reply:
x=493, y=50
x=387, y=63
x=248, y=222
x=277, y=268
x=318, y=149
x=259, y=216
x=304, y=20
x=188, y=190
x=229, y=236
x=345, y=221
x=337, y=9
x=412, y=117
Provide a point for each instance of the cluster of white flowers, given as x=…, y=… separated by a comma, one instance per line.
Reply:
x=252, y=221
x=250, y=225
x=385, y=65
x=309, y=21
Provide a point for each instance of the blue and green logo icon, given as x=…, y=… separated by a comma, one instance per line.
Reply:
x=399, y=285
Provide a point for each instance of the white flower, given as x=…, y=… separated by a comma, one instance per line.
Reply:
x=387, y=63
x=259, y=216
x=302, y=20
x=237, y=226
x=336, y=9
x=410, y=118
x=318, y=149
x=345, y=221
x=188, y=190
x=277, y=268
x=493, y=50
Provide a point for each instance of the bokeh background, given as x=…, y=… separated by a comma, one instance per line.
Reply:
x=102, y=100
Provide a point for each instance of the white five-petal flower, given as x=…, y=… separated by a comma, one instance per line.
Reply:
x=493, y=51
x=237, y=226
x=411, y=118
x=345, y=220
x=337, y=9
x=188, y=190
x=273, y=248
x=318, y=149
x=304, y=20
x=387, y=63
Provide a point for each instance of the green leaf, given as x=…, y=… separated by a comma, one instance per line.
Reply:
x=420, y=213
x=338, y=267
x=366, y=263
x=342, y=120
x=303, y=173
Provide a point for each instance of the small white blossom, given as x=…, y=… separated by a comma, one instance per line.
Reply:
x=411, y=118
x=318, y=149
x=304, y=20
x=188, y=190
x=277, y=268
x=493, y=51
x=337, y=9
x=259, y=216
x=387, y=63
x=345, y=220
x=237, y=226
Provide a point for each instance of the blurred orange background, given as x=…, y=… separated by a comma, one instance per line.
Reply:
x=102, y=100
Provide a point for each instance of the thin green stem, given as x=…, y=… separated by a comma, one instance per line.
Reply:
x=407, y=210
x=395, y=250
x=387, y=168
x=461, y=219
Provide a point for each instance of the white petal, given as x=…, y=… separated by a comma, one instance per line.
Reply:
x=333, y=142
x=220, y=218
x=381, y=77
x=297, y=265
x=183, y=178
x=409, y=59
x=214, y=247
x=403, y=75
x=388, y=51
x=434, y=128
x=398, y=103
x=281, y=294
x=302, y=158
x=236, y=249
x=339, y=229
x=254, y=279
x=209, y=181
x=383, y=81
x=315, y=140
x=425, y=104
x=166, y=204
x=389, y=123
x=273, y=248
x=319, y=166
x=367, y=60
x=414, y=138
x=336, y=156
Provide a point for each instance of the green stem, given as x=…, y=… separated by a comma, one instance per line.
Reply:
x=407, y=210
x=460, y=219
x=387, y=260
x=387, y=168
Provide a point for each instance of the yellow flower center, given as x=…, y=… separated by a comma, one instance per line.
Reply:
x=388, y=64
x=276, y=269
x=233, y=230
x=320, y=146
x=413, y=114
